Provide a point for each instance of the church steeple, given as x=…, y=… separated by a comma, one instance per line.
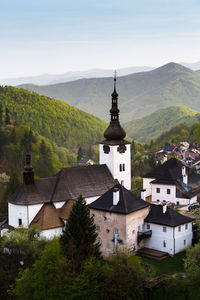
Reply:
x=28, y=170
x=114, y=130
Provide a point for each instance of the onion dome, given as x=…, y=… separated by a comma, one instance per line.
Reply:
x=114, y=130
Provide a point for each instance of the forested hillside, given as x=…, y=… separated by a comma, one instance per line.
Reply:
x=57, y=121
x=152, y=126
x=139, y=94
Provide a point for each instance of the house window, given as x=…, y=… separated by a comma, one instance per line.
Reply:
x=148, y=226
x=179, y=228
x=186, y=226
x=98, y=227
x=123, y=167
x=184, y=242
x=164, y=244
x=158, y=190
x=164, y=229
x=19, y=222
x=178, y=203
x=168, y=191
x=107, y=230
x=105, y=218
x=116, y=231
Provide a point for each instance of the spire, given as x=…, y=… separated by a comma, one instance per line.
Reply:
x=114, y=130
x=28, y=170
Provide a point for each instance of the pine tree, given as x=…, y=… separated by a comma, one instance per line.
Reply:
x=79, y=236
x=7, y=119
x=79, y=154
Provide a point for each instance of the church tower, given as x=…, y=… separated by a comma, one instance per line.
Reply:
x=28, y=174
x=114, y=151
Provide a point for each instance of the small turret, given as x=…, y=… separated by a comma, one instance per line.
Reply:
x=28, y=173
x=114, y=132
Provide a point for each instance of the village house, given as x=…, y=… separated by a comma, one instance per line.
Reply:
x=173, y=182
x=123, y=220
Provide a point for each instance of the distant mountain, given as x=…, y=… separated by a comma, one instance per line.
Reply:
x=45, y=79
x=57, y=121
x=139, y=94
x=155, y=124
x=193, y=66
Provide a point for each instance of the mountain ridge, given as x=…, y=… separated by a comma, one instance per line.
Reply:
x=139, y=93
x=154, y=125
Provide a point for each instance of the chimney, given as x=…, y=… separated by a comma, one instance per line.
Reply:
x=115, y=196
x=184, y=175
x=28, y=174
x=164, y=206
x=143, y=194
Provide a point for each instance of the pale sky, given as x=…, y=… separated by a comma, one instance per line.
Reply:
x=57, y=36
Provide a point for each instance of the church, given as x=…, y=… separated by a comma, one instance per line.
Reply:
x=123, y=220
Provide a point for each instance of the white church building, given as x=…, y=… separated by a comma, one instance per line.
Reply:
x=123, y=220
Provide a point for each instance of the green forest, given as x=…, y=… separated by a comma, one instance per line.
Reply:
x=59, y=122
x=152, y=126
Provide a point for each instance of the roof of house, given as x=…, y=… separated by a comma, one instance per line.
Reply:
x=128, y=202
x=47, y=218
x=69, y=183
x=170, y=173
x=65, y=210
x=169, y=218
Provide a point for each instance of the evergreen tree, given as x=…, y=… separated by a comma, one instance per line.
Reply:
x=79, y=236
x=7, y=119
x=13, y=184
x=79, y=154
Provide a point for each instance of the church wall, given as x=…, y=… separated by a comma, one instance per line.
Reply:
x=134, y=223
x=113, y=159
x=51, y=233
x=24, y=212
x=91, y=199
x=33, y=210
x=16, y=212
x=59, y=204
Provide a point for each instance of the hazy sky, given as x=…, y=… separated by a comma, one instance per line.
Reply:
x=56, y=36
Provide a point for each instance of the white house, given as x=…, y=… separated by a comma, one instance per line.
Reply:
x=171, y=231
x=173, y=182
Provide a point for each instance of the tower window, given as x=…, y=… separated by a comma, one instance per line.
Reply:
x=123, y=167
x=106, y=149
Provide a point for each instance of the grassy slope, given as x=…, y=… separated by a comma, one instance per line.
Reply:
x=153, y=125
x=59, y=122
x=139, y=94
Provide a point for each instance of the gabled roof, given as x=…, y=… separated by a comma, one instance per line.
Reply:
x=65, y=210
x=127, y=204
x=169, y=218
x=69, y=183
x=47, y=218
x=170, y=170
x=88, y=181
x=39, y=192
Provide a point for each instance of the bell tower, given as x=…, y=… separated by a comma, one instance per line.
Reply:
x=28, y=170
x=114, y=151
